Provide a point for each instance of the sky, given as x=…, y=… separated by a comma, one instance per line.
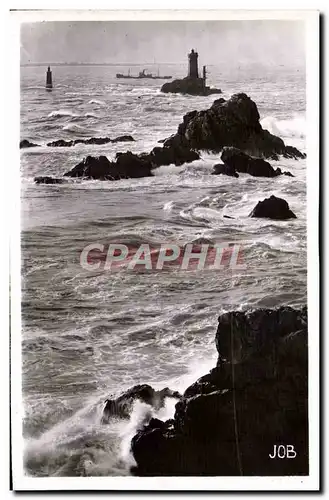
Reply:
x=217, y=42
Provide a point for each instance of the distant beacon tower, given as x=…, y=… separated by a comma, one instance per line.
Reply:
x=193, y=64
x=49, y=80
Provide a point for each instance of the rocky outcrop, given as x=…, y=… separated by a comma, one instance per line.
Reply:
x=27, y=144
x=122, y=406
x=229, y=420
x=48, y=180
x=239, y=161
x=129, y=165
x=61, y=143
x=126, y=166
x=93, y=140
x=234, y=122
x=188, y=85
x=222, y=168
x=175, y=154
x=273, y=208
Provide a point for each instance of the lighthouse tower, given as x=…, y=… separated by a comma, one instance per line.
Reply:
x=193, y=64
x=49, y=79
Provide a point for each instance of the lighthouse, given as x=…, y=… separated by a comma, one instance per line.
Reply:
x=193, y=64
x=49, y=79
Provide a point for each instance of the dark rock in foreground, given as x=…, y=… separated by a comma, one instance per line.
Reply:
x=234, y=122
x=122, y=406
x=229, y=420
x=92, y=140
x=241, y=162
x=48, y=180
x=188, y=85
x=27, y=144
x=273, y=208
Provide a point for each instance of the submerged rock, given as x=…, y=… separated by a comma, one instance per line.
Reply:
x=48, y=180
x=188, y=85
x=93, y=140
x=234, y=122
x=229, y=420
x=122, y=405
x=241, y=162
x=27, y=144
x=273, y=208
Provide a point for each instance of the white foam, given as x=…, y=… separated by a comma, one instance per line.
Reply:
x=168, y=207
x=62, y=112
x=168, y=170
x=294, y=127
x=97, y=101
x=73, y=127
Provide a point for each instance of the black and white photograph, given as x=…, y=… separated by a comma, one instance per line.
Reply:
x=168, y=205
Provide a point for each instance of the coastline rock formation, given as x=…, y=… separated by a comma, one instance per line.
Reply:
x=126, y=166
x=129, y=165
x=237, y=161
x=92, y=140
x=122, y=406
x=61, y=143
x=229, y=420
x=187, y=85
x=224, y=169
x=27, y=144
x=234, y=122
x=273, y=208
x=48, y=180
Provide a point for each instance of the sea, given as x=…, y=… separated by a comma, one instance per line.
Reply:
x=87, y=336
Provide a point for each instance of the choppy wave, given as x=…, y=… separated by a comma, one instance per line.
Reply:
x=62, y=113
x=78, y=129
x=98, y=102
x=86, y=335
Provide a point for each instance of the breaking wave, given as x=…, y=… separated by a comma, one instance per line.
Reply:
x=294, y=127
x=61, y=113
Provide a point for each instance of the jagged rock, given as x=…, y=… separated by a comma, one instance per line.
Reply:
x=91, y=167
x=252, y=331
x=61, y=143
x=237, y=160
x=122, y=406
x=48, y=180
x=124, y=138
x=221, y=168
x=126, y=166
x=177, y=155
x=228, y=421
x=188, y=85
x=27, y=144
x=273, y=208
x=92, y=140
x=234, y=122
x=129, y=165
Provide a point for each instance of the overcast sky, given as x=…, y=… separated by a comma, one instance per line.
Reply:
x=272, y=42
